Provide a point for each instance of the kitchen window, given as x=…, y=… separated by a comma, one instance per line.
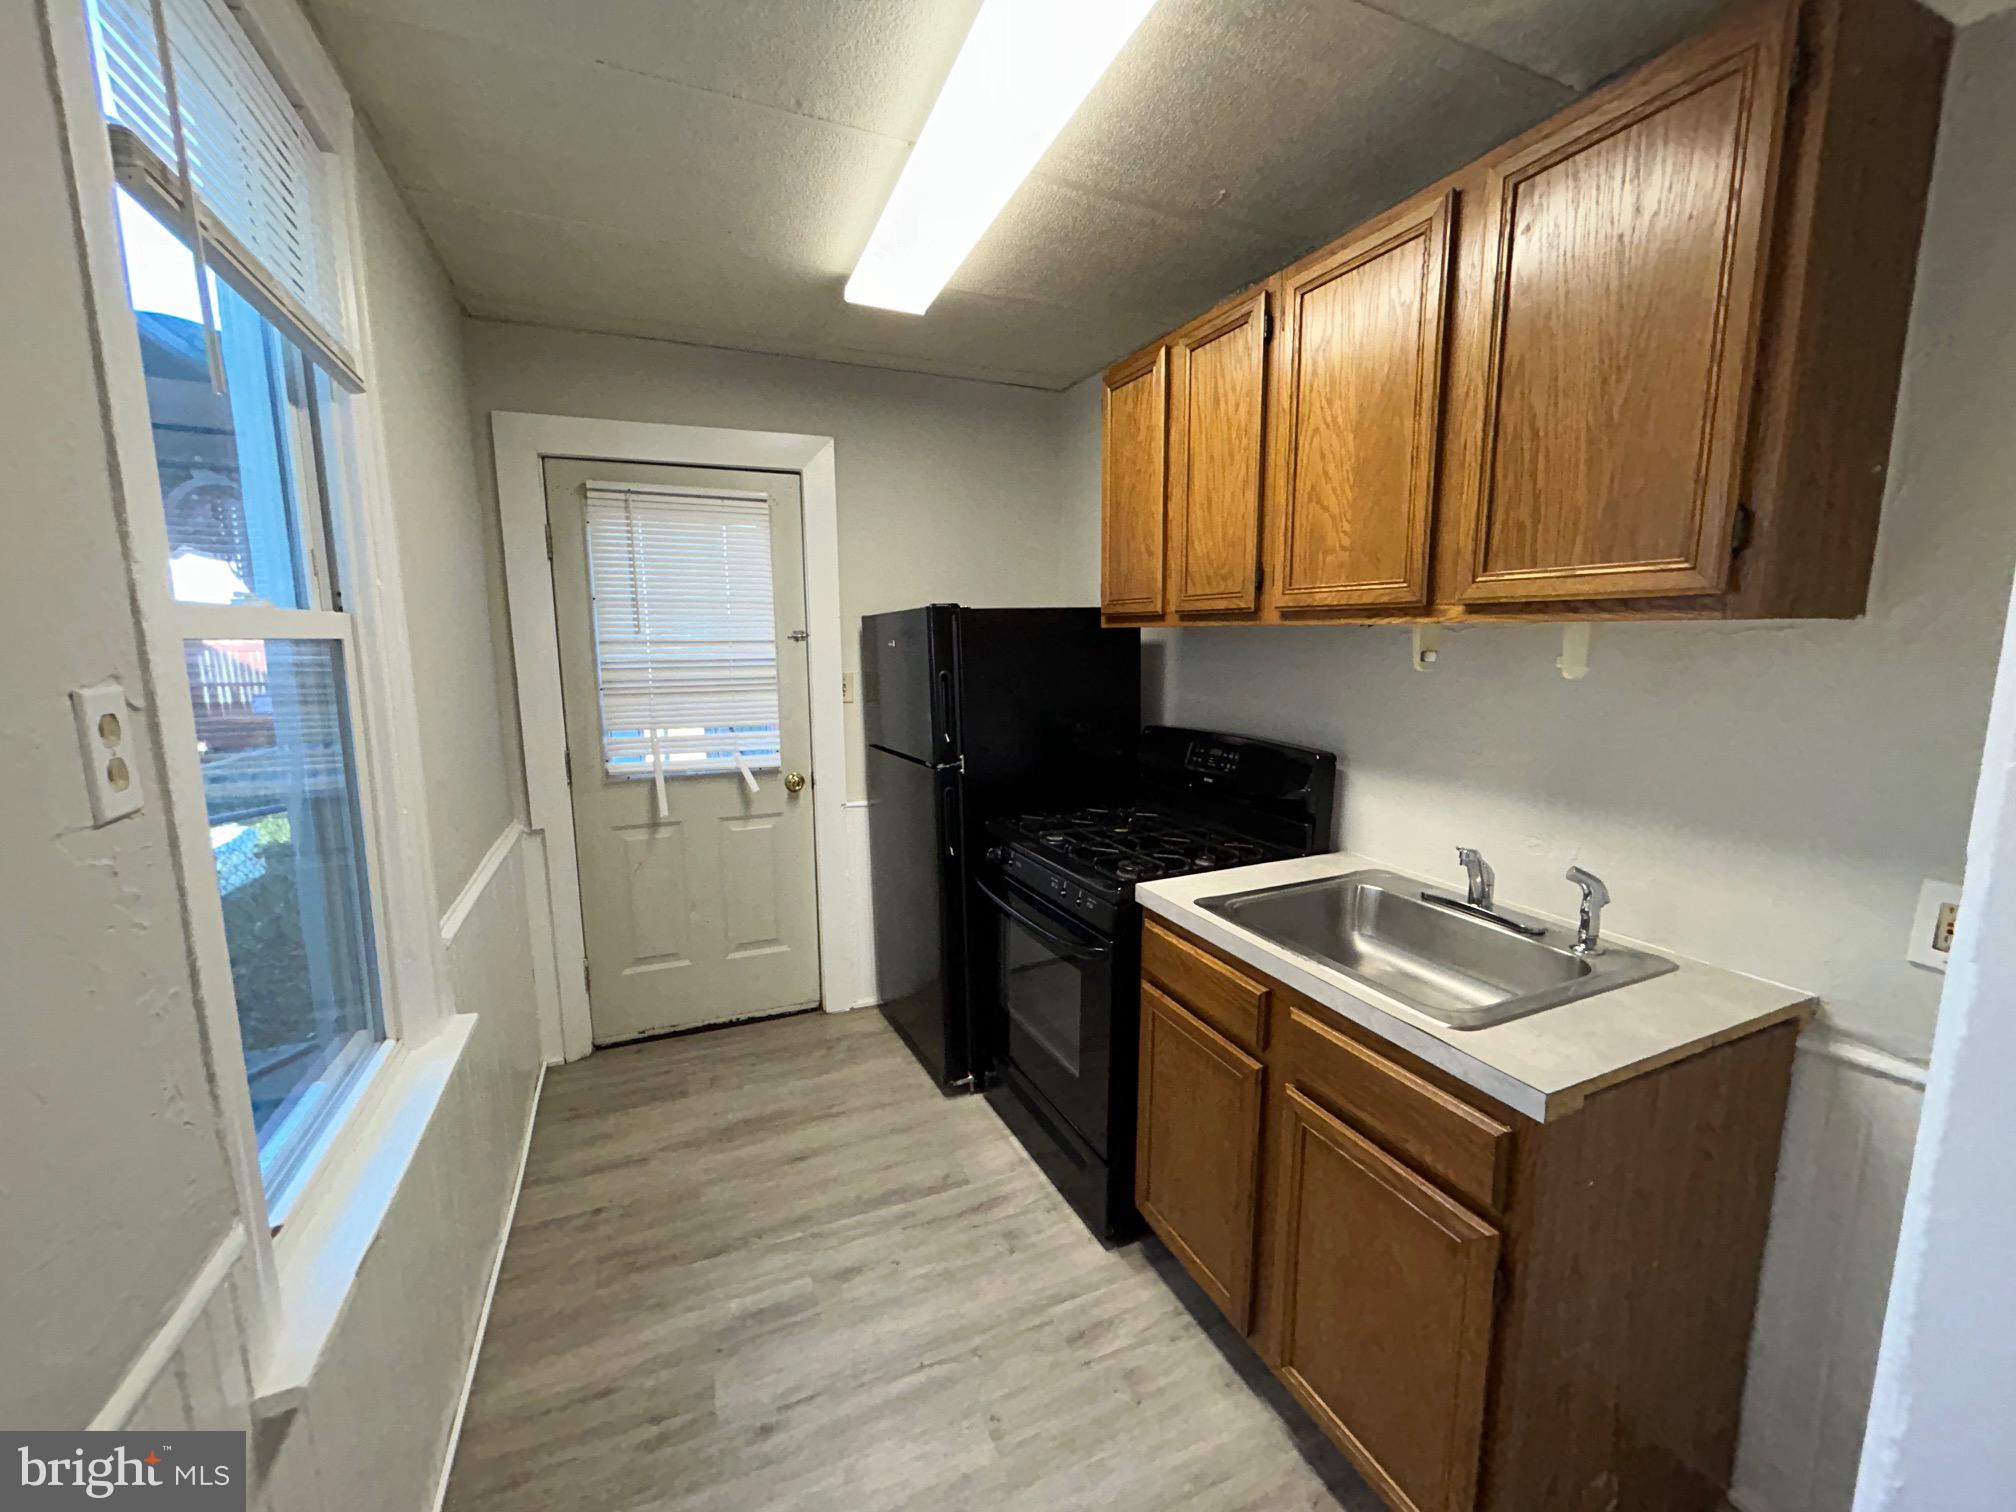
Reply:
x=268, y=654
x=225, y=228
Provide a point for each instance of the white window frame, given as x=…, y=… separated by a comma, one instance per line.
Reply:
x=293, y=1277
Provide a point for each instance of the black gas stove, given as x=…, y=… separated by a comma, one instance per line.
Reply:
x=1057, y=898
x=1088, y=860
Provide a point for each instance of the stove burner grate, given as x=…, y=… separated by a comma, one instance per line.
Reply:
x=1126, y=843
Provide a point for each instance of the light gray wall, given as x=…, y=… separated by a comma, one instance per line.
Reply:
x=445, y=528
x=1079, y=450
x=1939, y=1429
x=948, y=489
x=113, y=1186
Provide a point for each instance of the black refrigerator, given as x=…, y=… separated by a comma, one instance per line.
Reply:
x=967, y=714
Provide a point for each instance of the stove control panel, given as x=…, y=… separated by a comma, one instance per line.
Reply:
x=1211, y=759
x=1051, y=885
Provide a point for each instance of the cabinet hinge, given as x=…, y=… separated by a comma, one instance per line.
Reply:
x=1267, y=326
x=587, y=974
x=549, y=540
x=1259, y=578
x=567, y=759
x=1742, y=531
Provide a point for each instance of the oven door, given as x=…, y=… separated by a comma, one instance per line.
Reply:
x=1054, y=983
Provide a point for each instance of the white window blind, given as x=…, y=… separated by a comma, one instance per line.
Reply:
x=685, y=631
x=262, y=183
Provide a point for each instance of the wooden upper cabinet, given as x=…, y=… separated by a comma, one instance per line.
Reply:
x=1641, y=362
x=1388, y=1290
x=1132, y=479
x=1624, y=260
x=1357, y=407
x=1217, y=386
x=1197, y=1149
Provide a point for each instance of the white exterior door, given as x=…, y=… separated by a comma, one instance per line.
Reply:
x=681, y=603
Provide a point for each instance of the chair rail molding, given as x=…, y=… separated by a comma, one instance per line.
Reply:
x=479, y=881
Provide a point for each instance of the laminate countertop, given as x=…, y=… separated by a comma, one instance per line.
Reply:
x=1543, y=1065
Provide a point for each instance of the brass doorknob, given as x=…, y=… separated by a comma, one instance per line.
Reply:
x=794, y=782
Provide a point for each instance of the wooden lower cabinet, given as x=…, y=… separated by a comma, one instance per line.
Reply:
x=1485, y=1313
x=1386, y=1290
x=1197, y=1149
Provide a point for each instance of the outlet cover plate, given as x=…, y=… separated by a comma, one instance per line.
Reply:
x=105, y=740
x=1932, y=926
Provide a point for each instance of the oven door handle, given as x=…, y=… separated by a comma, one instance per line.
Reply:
x=1049, y=937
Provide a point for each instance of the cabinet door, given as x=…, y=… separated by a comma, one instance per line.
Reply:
x=1217, y=378
x=1388, y=1288
x=1625, y=260
x=1136, y=437
x=1357, y=415
x=1197, y=1149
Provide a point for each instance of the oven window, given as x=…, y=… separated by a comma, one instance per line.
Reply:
x=1045, y=996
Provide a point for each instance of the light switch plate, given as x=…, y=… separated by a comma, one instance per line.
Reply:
x=1931, y=943
x=105, y=739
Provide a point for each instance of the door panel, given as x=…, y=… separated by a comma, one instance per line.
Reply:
x=1197, y=1156
x=1217, y=381
x=751, y=870
x=1134, y=475
x=1388, y=1289
x=704, y=912
x=1358, y=416
x=1625, y=265
x=654, y=858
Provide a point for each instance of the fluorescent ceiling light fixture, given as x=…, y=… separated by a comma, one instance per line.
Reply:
x=1024, y=70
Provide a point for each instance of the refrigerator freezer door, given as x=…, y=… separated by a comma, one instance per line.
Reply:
x=907, y=683
x=917, y=876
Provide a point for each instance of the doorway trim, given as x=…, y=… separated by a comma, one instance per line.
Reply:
x=521, y=443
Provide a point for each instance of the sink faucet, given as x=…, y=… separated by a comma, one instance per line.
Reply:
x=1482, y=879
x=1589, y=923
x=1482, y=891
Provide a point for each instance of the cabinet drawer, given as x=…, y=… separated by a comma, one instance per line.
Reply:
x=1468, y=1149
x=1228, y=1000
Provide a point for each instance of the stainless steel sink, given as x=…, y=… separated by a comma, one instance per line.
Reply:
x=1454, y=964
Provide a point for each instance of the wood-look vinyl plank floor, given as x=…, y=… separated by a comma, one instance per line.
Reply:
x=770, y=1267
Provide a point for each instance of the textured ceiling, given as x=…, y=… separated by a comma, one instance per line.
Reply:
x=708, y=172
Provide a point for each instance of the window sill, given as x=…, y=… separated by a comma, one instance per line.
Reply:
x=353, y=1102
x=321, y=1250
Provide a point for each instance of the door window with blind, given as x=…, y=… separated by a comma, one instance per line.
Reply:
x=685, y=631
x=224, y=226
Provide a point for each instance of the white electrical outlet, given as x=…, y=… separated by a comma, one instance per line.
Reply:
x=105, y=737
x=1932, y=927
